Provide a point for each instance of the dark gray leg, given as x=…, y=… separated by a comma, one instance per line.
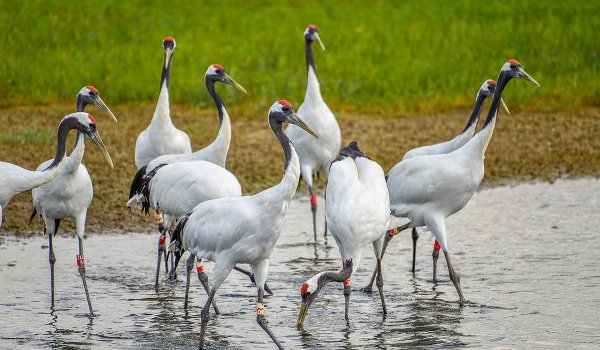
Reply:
x=454, y=278
x=161, y=249
x=261, y=319
x=189, y=266
x=205, y=315
x=81, y=267
x=313, y=208
x=52, y=260
x=204, y=280
x=388, y=237
x=324, y=199
x=435, y=255
x=347, y=291
x=415, y=237
x=251, y=276
x=380, y=286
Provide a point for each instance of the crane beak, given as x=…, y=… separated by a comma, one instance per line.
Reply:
x=295, y=119
x=504, y=106
x=524, y=75
x=104, y=108
x=318, y=39
x=95, y=137
x=302, y=315
x=229, y=80
x=168, y=54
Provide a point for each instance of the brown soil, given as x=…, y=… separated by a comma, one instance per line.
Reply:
x=526, y=145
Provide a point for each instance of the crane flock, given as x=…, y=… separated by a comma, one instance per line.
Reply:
x=199, y=203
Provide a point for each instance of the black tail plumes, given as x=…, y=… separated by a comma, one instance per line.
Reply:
x=145, y=188
x=176, y=238
x=351, y=150
x=136, y=184
x=32, y=215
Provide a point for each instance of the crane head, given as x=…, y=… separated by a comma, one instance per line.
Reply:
x=86, y=124
x=283, y=112
x=216, y=72
x=90, y=95
x=513, y=69
x=169, y=45
x=312, y=34
x=487, y=89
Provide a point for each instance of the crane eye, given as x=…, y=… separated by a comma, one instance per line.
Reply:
x=218, y=71
x=285, y=109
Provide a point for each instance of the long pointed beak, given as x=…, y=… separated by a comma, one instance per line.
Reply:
x=295, y=119
x=302, y=316
x=168, y=54
x=104, y=108
x=504, y=106
x=229, y=80
x=318, y=39
x=527, y=77
x=96, y=139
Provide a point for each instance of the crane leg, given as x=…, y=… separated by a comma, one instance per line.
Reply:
x=435, y=255
x=415, y=237
x=161, y=249
x=160, y=224
x=52, y=260
x=388, y=237
x=262, y=320
x=251, y=276
x=380, y=286
x=205, y=315
x=325, y=199
x=454, y=278
x=189, y=266
x=347, y=291
x=81, y=268
x=313, y=208
x=204, y=280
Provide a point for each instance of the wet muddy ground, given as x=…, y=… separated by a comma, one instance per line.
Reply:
x=527, y=255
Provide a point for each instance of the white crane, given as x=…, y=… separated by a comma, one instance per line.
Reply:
x=161, y=136
x=428, y=189
x=353, y=224
x=69, y=194
x=315, y=154
x=486, y=90
x=175, y=184
x=243, y=230
x=14, y=179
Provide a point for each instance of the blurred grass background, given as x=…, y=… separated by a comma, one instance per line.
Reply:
x=386, y=57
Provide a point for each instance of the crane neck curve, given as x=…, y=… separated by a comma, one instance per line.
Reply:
x=286, y=144
x=503, y=80
x=310, y=57
x=63, y=130
x=340, y=276
x=475, y=113
x=210, y=86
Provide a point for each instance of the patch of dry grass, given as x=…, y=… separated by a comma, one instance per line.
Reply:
x=526, y=145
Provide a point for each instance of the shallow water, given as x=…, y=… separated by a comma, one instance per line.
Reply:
x=527, y=256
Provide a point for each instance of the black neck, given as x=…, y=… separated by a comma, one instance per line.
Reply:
x=476, y=112
x=210, y=86
x=166, y=71
x=61, y=147
x=310, y=58
x=503, y=80
x=80, y=105
x=277, y=129
x=341, y=276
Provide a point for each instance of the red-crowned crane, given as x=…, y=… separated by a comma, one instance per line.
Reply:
x=315, y=154
x=353, y=224
x=243, y=230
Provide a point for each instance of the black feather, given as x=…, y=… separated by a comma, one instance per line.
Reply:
x=32, y=215
x=136, y=184
x=176, y=238
x=145, y=188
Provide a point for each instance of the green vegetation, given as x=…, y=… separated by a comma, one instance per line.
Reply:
x=385, y=57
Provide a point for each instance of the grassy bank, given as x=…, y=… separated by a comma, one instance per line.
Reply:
x=384, y=56
x=525, y=146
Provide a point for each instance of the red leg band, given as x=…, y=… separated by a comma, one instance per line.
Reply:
x=394, y=231
x=436, y=245
x=346, y=282
x=162, y=240
x=80, y=260
x=313, y=199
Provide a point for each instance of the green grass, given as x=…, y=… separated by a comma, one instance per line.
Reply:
x=386, y=57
